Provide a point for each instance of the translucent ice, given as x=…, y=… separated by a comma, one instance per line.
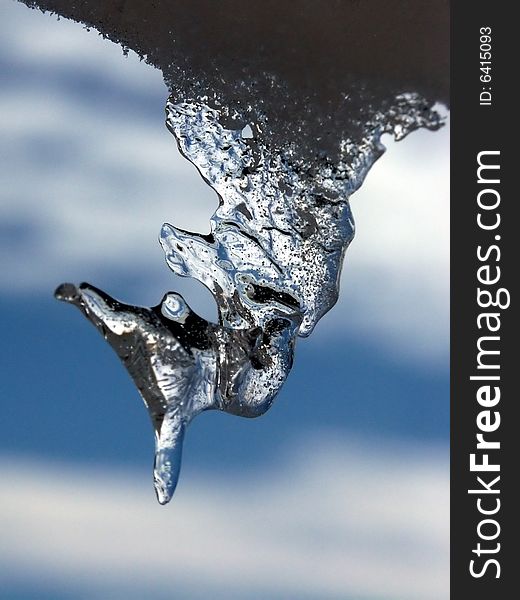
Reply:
x=282, y=112
x=183, y=365
x=272, y=261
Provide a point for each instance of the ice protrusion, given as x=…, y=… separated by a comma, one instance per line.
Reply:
x=272, y=261
x=183, y=365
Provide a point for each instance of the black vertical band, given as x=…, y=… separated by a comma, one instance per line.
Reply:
x=485, y=433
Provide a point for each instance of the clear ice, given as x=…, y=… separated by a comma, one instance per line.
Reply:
x=272, y=260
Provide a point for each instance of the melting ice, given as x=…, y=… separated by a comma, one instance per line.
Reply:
x=272, y=261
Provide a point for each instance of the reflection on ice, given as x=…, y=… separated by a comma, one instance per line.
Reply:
x=183, y=365
x=272, y=260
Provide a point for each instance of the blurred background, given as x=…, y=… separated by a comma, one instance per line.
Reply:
x=341, y=491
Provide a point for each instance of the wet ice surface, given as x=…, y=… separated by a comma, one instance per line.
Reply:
x=272, y=260
x=183, y=364
x=281, y=111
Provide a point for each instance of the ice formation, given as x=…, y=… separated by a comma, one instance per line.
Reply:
x=272, y=261
x=281, y=107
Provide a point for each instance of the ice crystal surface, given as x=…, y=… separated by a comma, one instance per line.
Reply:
x=272, y=260
x=281, y=107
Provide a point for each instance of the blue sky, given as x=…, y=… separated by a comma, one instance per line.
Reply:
x=340, y=491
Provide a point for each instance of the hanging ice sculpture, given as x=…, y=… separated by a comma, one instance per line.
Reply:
x=284, y=146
